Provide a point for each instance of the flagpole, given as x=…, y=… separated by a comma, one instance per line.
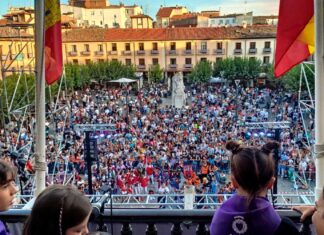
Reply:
x=319, y=95
x=40, y=164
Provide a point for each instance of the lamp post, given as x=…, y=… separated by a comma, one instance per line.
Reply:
x=237, y=82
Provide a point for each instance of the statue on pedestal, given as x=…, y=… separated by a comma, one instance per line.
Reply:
x=178, y=94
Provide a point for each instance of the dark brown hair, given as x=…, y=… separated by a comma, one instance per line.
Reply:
x=7, y=172
x=57, y=209
x=252, y=167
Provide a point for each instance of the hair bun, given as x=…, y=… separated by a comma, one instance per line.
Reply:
x=233, y=146
x=268, y=147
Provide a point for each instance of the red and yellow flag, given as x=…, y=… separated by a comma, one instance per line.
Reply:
x=53, y=41
x=295, y=34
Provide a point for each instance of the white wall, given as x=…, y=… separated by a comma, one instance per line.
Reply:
x=219, y=22
x=105, y=17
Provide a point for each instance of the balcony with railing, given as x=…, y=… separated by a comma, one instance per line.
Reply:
x=203, y=51
x=85, y=53
x=172, y=52
x=99, y=53
x=252, y=51
x=237, y=51
x=73, y=53
x=187, y=52
x=3, y=57
x=141, y=67
x=140, y=52
x=266, y=50
x=150, y=221
x=127, y=52
x=173, y=66
x=113, y=53
x=162, y=214
x=220, y=51
x=187, y=66
x=155, y=52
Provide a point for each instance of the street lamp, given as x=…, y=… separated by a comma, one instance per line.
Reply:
x=237, y=82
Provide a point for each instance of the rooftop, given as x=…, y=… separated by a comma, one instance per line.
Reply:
x=141, y=16
x=168, y=34
x=166, y=11
x=10, y=32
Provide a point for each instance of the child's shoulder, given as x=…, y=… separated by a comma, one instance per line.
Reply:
x=3, y=229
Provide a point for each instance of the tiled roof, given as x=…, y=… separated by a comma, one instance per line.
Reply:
x=168, y=34
x=141, y=16
x=84, y=35
x=3, y=21
x=184, y=16
x=210, y=13
x=166, y=11
x=157, y=34
x=9, y=32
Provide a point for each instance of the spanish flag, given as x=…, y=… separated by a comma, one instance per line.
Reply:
x=295, y=34
x=53, y=41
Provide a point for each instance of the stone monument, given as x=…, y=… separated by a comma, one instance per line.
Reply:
x=178, y=94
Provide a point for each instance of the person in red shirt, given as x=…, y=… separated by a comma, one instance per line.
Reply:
x=144, y=183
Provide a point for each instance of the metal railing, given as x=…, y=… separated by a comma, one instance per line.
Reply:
x=151, y=221
x=176, y=201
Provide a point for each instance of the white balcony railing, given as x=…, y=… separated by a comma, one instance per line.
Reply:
x=219, y=51
x=172, y=52
x=127, y=52
x=99, y=53
x=141, y=66
x=252, y=51
x=154, y=52
x=203, y=51
x=187, y=66
x=187, y=52
x=237, y=51
x=140, y=52
x=73, y=53
x=85, y=52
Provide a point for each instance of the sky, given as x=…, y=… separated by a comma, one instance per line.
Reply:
x=150, y=7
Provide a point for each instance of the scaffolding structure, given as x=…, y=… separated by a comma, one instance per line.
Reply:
x=19, y=59
x=306, y=103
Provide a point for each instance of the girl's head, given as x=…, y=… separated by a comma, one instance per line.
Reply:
x=8, y=188
x=59, y=210
x=252, y=168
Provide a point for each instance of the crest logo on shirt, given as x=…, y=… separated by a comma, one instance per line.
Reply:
x=239, y=225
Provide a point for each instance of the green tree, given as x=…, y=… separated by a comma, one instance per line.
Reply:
x=155, y=74
x=291, y=80
x=201, y=72
x=25, y=91
x=237, y=68
x=115, y=69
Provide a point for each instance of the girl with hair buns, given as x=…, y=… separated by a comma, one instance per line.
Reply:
x=249, y=211
x=59, y=210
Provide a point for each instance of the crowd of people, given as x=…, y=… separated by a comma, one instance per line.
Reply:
x=153, y=146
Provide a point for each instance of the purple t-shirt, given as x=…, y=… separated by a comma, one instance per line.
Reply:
x=233, y=218
x=3, y=229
